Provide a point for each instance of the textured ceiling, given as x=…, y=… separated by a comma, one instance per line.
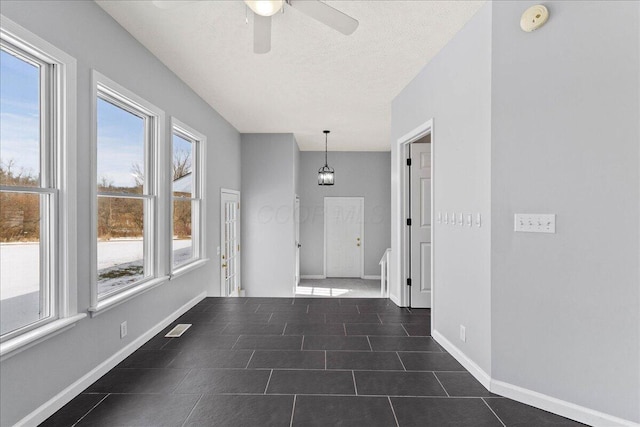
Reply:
x=314, y=78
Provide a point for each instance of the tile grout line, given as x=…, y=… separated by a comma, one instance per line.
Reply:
x=268, y=381
x=91, y=409
x=293, y=409
x=302, y=344
x=234, y=344
x=380, y=318
x=285, y=327
x=369, y=341
x=270, y=317
x=493, y=412
x=405, y=329
x=393, y=411
x=441, y=385
x=344, y=325
x=355, y=387
x=249, y=361
x=192, y=409
x=401, y=362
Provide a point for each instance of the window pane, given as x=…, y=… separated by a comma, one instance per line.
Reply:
x=20, y=295
x=120, y=149
x=183, y=182
x=182, y=237
x=120, y=243
x=19, y=121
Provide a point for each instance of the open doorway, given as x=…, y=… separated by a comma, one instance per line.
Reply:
x=416, y=155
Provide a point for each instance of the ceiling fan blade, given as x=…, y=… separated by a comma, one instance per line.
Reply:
x=170, y=4
x=261, y=34
x=327, y=15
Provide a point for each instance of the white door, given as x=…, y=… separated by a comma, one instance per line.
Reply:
x=230, y=242
x=344, y=241
x=297, y=243
x=421, y=224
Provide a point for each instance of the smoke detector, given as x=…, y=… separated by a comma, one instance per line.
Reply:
x=534, y=18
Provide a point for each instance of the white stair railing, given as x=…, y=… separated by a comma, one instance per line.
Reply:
x=384, y=274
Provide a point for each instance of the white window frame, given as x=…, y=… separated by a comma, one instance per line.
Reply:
x=58, y=180
x=103, y=87
x=198, y=237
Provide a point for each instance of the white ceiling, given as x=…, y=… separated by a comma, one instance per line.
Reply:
x=314, y=78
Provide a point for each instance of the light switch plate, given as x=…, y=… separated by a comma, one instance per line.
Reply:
x=535, y=223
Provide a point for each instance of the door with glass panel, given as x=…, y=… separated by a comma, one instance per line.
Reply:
x=230, y=243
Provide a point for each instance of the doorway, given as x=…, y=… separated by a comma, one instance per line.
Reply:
x=297, y=242
x=344, y=237
x=230, y=243
x=416, y=156
x=420, y=228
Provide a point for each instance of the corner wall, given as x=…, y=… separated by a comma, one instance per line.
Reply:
x=358, y=174
x=455, y=90
x=566, y=137
x=84, y=31
x=267, y=207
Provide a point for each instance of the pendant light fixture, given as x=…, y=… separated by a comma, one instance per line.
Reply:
x=326, y=173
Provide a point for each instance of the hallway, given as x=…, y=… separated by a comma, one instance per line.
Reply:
x=298, y=362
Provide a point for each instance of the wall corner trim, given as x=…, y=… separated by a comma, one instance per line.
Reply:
x=530, y=397
x=65, y=396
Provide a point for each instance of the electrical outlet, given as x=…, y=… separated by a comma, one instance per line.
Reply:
x=463, y=334
x=123, y=329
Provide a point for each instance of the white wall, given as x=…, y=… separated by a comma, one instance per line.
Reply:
x=455, y=90
x=358, y=174
x=86, y=32
x=267, y=202
x=565, y=135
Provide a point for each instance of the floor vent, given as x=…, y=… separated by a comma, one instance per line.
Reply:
x=178, y=330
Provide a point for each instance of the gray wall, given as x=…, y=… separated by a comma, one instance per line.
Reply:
x=543, y=122
x=455, y=90
x=267, y=201
x=86, y=32
x=358, y=174
x=566, y=140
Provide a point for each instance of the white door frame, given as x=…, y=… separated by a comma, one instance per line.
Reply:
x=403, y=230
x=223, y=290
x=296, y=234
x=362, y=238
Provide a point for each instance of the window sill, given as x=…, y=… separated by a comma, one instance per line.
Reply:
x=31, y=338
x=124, y=296
x=189, y=267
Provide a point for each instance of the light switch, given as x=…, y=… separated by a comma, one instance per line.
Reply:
x=535, y=223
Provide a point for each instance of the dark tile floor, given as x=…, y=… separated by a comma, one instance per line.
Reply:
x=296, y=362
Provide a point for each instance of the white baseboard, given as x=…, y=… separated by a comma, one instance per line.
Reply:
x=395, y=299
x=558, y=406
x=530, y=397
x=312, y=276
x=371, y=277
x=469, y=365
x=65, y=396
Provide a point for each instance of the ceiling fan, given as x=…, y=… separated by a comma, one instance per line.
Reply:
x=265, y=9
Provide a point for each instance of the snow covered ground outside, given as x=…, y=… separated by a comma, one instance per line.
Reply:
x=19, y=267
